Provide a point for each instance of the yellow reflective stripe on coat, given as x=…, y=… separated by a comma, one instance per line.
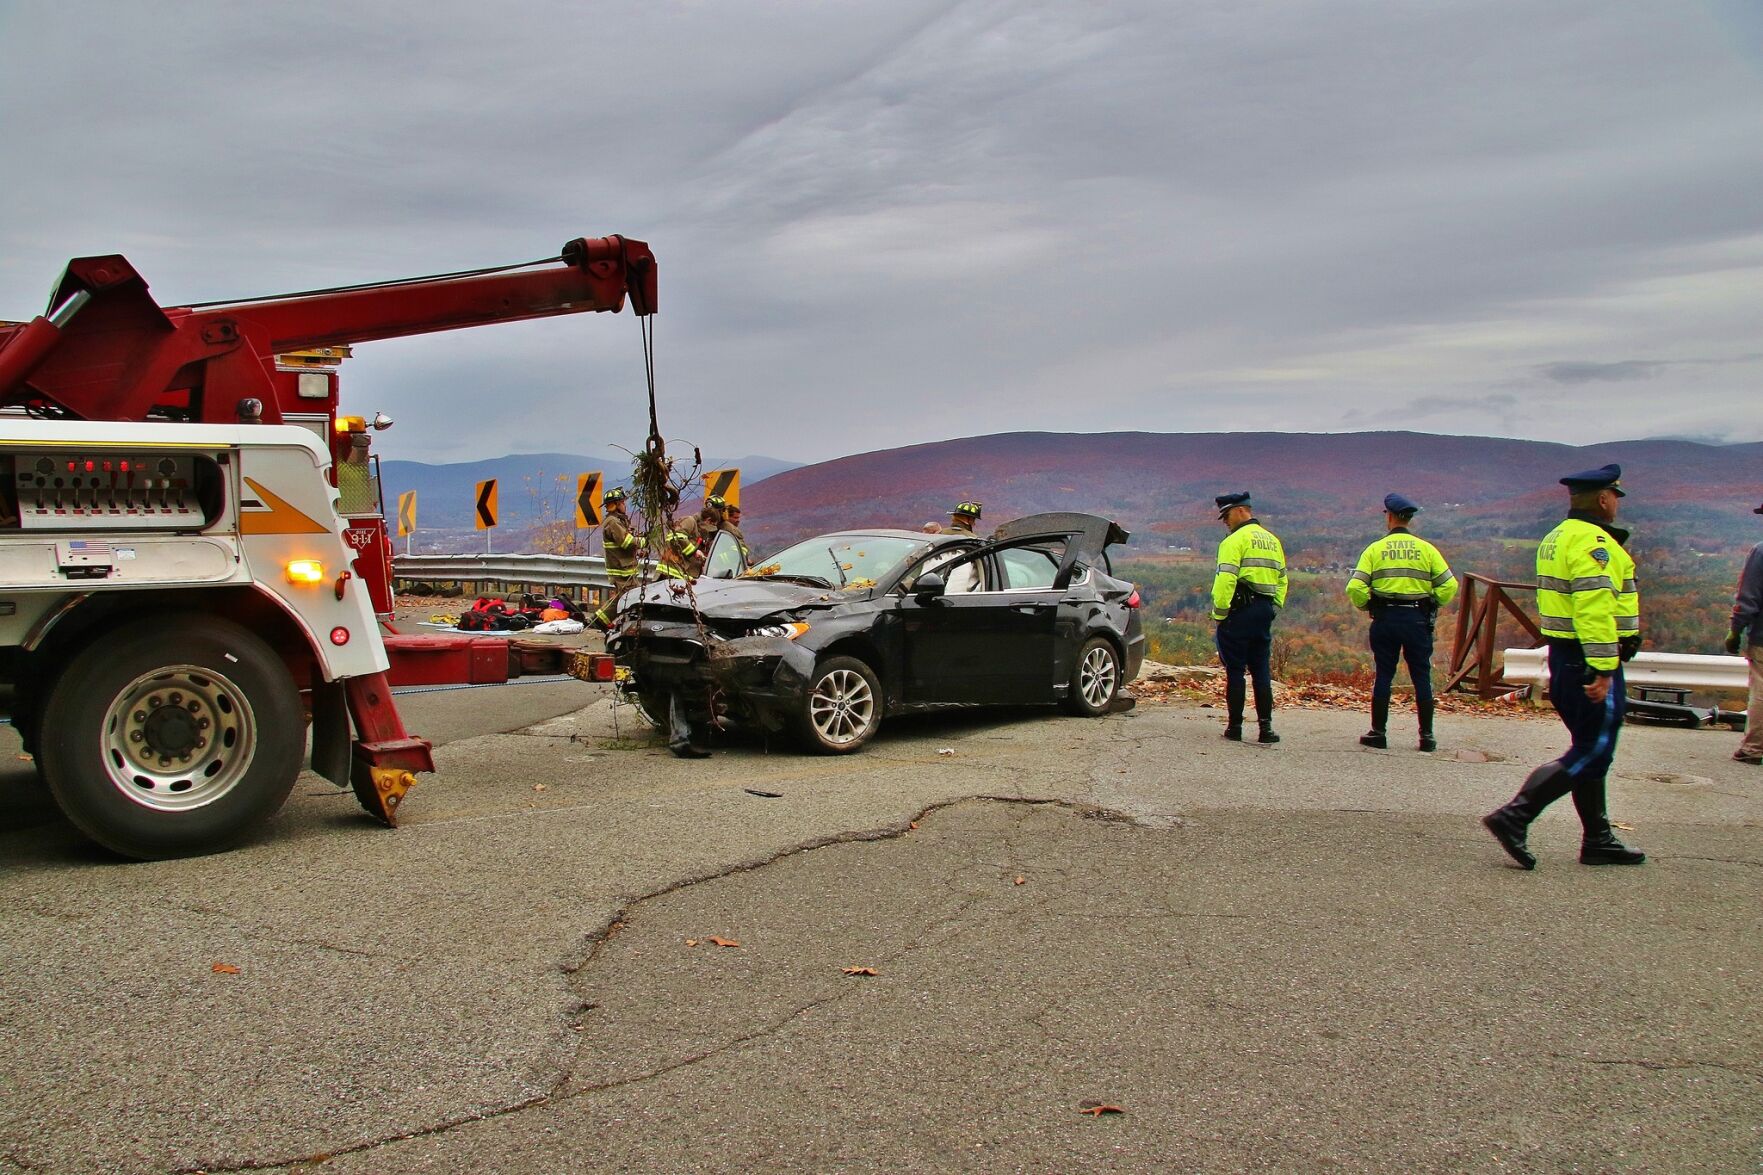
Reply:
x=1253, y=556
x=1404, y=567
x=1579, y=565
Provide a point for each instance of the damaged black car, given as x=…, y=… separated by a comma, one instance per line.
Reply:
x=830, y=636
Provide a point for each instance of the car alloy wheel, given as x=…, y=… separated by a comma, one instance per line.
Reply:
x=842, y=707
x=1095, y=679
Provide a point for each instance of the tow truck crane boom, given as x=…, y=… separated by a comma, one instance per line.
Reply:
x=105, y=350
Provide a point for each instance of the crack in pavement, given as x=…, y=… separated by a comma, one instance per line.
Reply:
x=1751, y=1071
x=597, y=941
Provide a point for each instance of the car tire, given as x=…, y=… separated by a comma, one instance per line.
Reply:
x=172, y=736
x=1095, y=678
x=842, y=707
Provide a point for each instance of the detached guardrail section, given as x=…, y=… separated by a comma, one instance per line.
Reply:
x=564, y=571
x=1659, y=684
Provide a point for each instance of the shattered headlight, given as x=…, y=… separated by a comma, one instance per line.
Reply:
x=788, y=631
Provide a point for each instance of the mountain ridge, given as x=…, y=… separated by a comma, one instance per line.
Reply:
x=1162, y=484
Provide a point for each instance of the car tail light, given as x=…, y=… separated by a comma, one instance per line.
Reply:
x=1133, y=600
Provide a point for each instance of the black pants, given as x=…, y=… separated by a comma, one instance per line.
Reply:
x=1245, y=643
x=1592, y=726
x=1401, y=634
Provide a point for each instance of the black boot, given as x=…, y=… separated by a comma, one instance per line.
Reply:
x=1380, y=723
x=1235, y=695
x=1427, y=741
x=1511, y=823
x=1266, y=735
x=1599, y=845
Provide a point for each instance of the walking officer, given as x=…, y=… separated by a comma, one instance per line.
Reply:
x=1248, y=591
x=623, y=548
x=1589, y=607
x=1403, y=581
x=962, y=518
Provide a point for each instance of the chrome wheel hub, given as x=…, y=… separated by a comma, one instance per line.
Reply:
x=178, y=738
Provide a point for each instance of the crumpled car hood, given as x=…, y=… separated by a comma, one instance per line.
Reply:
x=739, y=599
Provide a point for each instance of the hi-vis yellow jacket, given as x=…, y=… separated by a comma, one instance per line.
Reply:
x=1586, y=590
x=1250, y=555
x=1401, y=567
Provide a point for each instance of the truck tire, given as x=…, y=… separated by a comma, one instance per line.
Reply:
x=172, y=736
x=842, y=707
x=1095, y=678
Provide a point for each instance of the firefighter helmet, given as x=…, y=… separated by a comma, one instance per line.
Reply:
x=971, y=509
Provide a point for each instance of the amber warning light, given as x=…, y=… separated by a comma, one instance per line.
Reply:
x=304, y=571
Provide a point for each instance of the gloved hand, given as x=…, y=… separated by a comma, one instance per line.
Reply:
x=1628, y=646
x=1732, y=643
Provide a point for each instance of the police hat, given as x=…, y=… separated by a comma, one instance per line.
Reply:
x=971, y=509
x=1227, y=502
x=615, y=494
x=1397, y=504
x=1608, y=477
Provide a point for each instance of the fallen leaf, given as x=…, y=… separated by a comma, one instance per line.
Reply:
x=224, y=969
x=860, y=971
x=538, y=787
x=768, y=795
x=947, y=751
x=723, y=942
x=691, y=942
x=1096, y=1109
x=1621, y=825
x=913, y=824
x=25, y=758
x=1019, y=881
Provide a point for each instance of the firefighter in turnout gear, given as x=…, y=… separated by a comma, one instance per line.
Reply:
x=1403, y=581
x=1589, y=608
x=1247, y=593
x=962, y=518
x=623, y=548
x=731, y=524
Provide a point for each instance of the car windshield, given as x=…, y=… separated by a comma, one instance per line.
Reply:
x=850, y=561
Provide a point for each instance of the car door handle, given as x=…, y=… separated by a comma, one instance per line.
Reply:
x=1031, y=609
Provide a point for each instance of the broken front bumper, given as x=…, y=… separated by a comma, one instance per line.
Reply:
x=758, y=679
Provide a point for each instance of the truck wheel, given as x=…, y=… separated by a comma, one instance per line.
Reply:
x=173, y=736
x=841, y=708
x=1095, y=678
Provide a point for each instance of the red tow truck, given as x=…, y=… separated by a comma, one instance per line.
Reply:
x=194, y=564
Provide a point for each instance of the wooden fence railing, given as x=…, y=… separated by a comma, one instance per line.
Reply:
x=1474, y=652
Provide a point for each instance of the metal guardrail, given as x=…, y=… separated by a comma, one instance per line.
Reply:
x=1682, y=671
x=581, y=571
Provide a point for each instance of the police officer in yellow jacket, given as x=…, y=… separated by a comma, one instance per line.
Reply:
x=1403, y=581
x=1589, y=611
x=623, y=548
x=1248, y=590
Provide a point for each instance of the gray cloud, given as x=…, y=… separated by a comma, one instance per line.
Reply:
x=1584, y=373
x=881, y=223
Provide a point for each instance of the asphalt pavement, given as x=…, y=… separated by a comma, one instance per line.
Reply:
x=1282, y=958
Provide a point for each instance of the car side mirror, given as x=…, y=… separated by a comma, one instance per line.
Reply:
x=930, y=585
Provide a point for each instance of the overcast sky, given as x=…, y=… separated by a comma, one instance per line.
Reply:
x=885, y=223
